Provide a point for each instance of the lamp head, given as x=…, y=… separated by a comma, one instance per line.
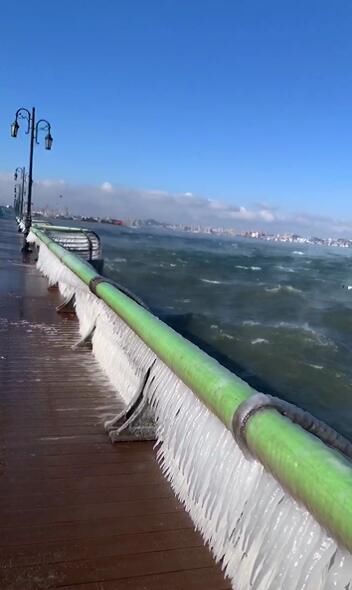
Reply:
x=14, y=128
x=48, y=141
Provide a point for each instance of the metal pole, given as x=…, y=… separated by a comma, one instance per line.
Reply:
x=28, y=221
x=22, y=191
x=15, y=199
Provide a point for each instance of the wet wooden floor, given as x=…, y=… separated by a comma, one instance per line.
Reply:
x=75, y=511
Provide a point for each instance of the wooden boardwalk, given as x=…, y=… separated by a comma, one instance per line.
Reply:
x=75, y=511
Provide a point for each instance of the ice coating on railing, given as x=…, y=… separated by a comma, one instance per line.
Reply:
x=262, y=537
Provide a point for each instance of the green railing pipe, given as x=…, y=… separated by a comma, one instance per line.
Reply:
x=48, y=227
x=310, y=471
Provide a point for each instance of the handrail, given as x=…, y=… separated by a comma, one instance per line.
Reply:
x=313, y=473
x=64, y=228
x=89, y=244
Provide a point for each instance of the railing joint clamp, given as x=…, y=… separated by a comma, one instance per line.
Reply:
x=95, y=281
x=244, y=412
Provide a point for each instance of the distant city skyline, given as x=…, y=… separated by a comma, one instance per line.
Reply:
x=127, y=202
x=108, y=200
x=287, y=237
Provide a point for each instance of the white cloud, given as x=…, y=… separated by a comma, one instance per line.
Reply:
x=218, y=205
x=126, y=203
x=267, y=215
x=107, y=187
x=50, y=182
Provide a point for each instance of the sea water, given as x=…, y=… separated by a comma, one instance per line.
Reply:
x=279, y=316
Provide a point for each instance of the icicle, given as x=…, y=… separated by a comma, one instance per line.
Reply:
x=123, y=356
x=55, y=271
x=264, y=539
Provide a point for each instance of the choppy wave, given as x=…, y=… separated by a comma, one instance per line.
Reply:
x=305, y=327
x=212, y=282
x=254, y=268
x=285, y=268
x=270, y=292
x=279, y=288
x=316, y=335
x=228, y=336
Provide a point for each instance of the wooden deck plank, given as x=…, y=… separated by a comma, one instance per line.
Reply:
x=109, y=568
x=88, y=511
x=57, y=552
x=75, y=511
x=195, y=579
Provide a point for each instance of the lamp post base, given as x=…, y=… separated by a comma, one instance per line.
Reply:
x=26, y=249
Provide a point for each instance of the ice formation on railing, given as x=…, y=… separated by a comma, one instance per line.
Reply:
x=262, y=537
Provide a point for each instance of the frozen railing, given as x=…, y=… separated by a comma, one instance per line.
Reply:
x=83, y=242
x=273, y=502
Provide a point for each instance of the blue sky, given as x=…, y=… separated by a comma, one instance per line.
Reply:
x=244, y=101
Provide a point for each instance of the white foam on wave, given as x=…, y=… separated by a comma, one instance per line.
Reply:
x=260, y=341
x=317, y=337
x=119, y=260
x=292, y=326
x=285, y=268
x=298, y=253
x=227, y=336
x=254, y=268
x=280, y=288
x=250, y=323
x=211, y=282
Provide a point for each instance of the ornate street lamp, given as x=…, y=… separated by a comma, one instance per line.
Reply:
x=32, y=129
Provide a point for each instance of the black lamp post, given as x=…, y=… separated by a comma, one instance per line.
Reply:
x=33, y=128
x=15, y=206
x=22, y=172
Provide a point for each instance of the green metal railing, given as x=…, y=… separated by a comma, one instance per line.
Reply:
x=311, y=472
x=82, y=241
